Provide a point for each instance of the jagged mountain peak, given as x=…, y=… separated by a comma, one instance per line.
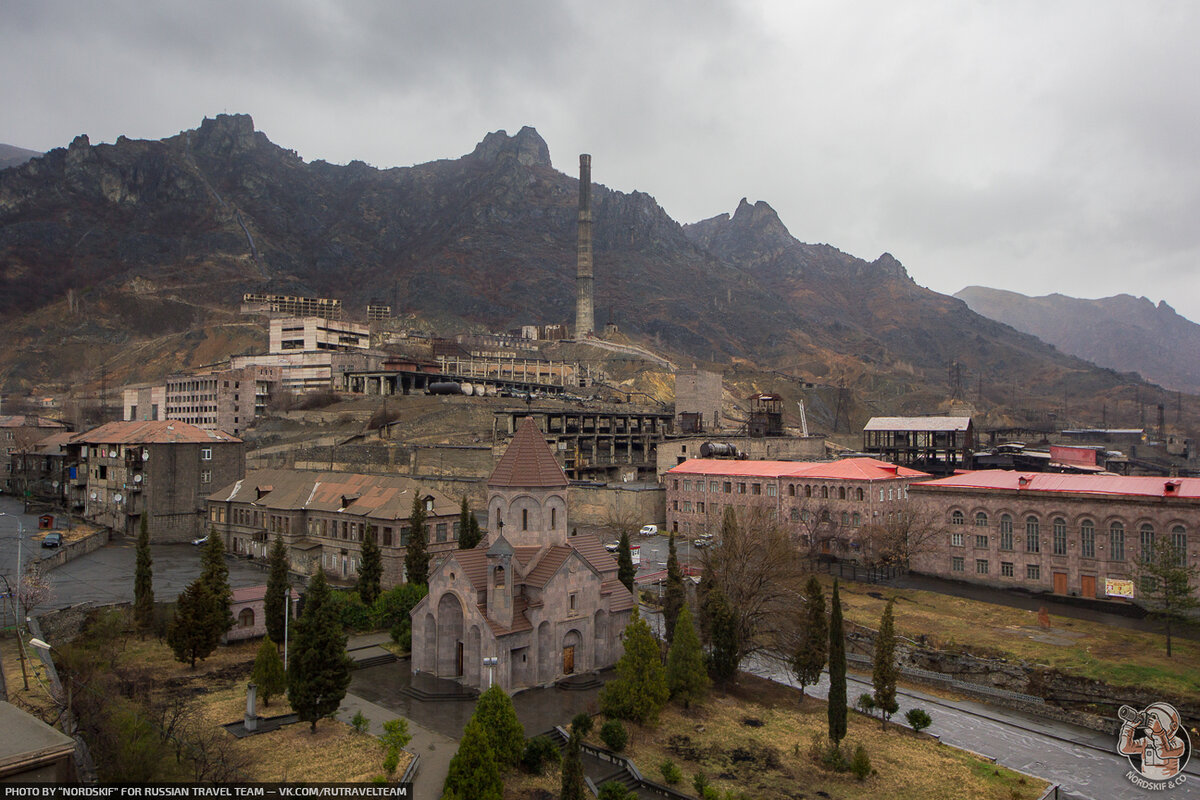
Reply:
x=528, y=147
x=888, y=264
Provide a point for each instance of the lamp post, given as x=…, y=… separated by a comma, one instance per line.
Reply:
x=20, y=536
x=490, y=662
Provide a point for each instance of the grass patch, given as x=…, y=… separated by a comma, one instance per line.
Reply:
x=770, y=761
x=1118, y=656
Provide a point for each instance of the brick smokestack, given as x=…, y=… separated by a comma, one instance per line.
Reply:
x=585, y=320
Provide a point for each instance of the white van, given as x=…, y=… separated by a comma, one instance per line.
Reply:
x=648, y=530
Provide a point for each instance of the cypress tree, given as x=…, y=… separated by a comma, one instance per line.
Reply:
x=837, y=670
x=276, y=601
x=267, y=673
x=883, y=673
x=573, y=786
x=674, y=597
x=468, y=528
x=416, y=554
x=813, y=649
x=723, y=655
x=687, y=680
x=143, y=580
x=215, y=575
x=194, y=632
x=473, y=771
x=497, y=718
x=370, y=572
x=319, y=669
x=640, y=690
x=626, y=573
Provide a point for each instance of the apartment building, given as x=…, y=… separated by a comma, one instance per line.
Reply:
x=226, y=400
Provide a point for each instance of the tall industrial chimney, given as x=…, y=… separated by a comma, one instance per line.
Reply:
x=585, y=320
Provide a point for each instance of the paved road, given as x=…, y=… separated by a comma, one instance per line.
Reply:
x=11, y=509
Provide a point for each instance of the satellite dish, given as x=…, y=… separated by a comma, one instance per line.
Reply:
x=54, y=484
x=93, y=495
x=137, y=478
x=117, y=498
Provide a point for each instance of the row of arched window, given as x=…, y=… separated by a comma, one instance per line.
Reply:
x=1059, y=539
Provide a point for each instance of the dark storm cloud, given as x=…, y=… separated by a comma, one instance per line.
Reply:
x=1030, y=146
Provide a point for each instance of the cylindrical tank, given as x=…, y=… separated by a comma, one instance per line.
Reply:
x=468, y=389
x=718, y=450
x=445, y=387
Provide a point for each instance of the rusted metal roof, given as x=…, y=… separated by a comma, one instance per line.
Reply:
x=918, y=424
x=1109, y=485
x=28, y=421
x=857, y=469
x=151, y=432
x=379, y=497
x=528, y=461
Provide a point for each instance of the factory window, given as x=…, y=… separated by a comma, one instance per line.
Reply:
x=981, y=520
x=206, y=454
x=855, y=519
x=858, y=493
x=841, y=493
x=1033, y=572
x=687, y=485
x=728, y=487
x=713, y=486
x=981, y=541
x=795, y=515
x=807, y=490
x=1006, y=532
x=957, y=518
x=957, y=564
x=741, y=488
x=1116, y=542
x=1087, y=539
x=845, y=518
x=206, y=476
x=756, y=488
x=791, y=490
x=1179, y=545
x=1033, y=544
x=981, y=566
x=824, y=492
x=700, y=508
x=772, y=490
x=676, y=482
x=1147, y=542
x=1006, y=569
x=956, y=540
x=1059, y=525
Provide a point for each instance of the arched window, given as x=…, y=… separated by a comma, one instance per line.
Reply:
x=1033, y=541
x=524, y=519
x=856, y=520
x=1006, y=532
x=498, y=576
x=957, y=517
x=858, y=493
x=1087, y=539
x=553, y=518
x=807, y=490
x=791, y=490
x=841, y=493
x=1179, y=545
x=825, y=492
x=246, y=618
x=1059, y=526
x=1116, y=541
x=981, y=520
x=795, y=515
x=1147, y=542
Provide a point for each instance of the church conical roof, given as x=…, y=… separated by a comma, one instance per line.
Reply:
x=528, y=461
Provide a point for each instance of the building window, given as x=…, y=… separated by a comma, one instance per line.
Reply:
x=1033, y=572
x=387, y=537
x=687, y=485
x=524, y=519
x=700, y=507
x=573, y=600
x=1116, y=542
x=855, y=519
x=675, y=505
x=1006, y=532
x=206, y=476
x=791, y=490
x=956, y=540
x=1147, y=542
x=206, y=454
x=841, y=493
x=957, y=564
x=981, y=566
x=1087, y=539
x=1060, y=536
x=845, y=518
x=981, y=520
x=713, y=486
x=1033, y=542
x=808, y=490
x=404, y=532
x=1006, y=569
x=676, y=484
x=981, y=541
x=1179, y=545
x=881, y=495
x=795, y=515
x=441, y=531
x=246, y=618
x=728, y=487
x=772, y=490
x=756, y=488
x=957, y=517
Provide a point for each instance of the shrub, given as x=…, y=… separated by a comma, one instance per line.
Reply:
x=614, y=735
x=393, y=606
x=919, y=719
x=359, y=722
x=350, y=611
x=866, y=703
x=860, y=764
x=700, y=783
x=401, y=634
x=611, y=790
x=671, y=772
x=538, y=752
x=581, y=724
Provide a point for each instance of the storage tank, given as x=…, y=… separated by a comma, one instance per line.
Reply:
x=444, y=387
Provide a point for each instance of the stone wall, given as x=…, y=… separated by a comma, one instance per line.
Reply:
x=72, y=550
x=602, y=505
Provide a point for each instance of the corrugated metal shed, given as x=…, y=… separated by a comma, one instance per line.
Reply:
x=918, y=424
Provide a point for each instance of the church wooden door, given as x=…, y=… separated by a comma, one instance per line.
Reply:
x=569, y=660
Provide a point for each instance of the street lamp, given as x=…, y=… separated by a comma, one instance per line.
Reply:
x=490, y=662
x=20, y=536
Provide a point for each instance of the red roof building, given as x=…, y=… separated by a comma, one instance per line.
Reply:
x=1067, y=534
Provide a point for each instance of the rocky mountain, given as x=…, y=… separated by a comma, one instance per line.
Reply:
x=11, y=156
x=1123, y=332
x=146, y=247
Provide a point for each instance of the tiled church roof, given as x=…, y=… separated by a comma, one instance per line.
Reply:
x=528, y=461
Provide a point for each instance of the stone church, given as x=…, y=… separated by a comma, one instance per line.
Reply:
x=543, y=602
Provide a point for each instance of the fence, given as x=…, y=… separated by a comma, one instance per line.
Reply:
x=859, y=572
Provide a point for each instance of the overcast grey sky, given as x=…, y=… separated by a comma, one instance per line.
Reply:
x=1031, y=146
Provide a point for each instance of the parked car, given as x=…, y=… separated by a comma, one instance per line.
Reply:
x=649, y=530
x=203, y=540
x=613, y=546
x=701, y=542
x=52, y=540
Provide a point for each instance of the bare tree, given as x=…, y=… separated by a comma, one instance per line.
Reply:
x=36, y=588
x=898, y=537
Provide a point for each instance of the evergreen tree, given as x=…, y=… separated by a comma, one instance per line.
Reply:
x=143, y=580
x=194, y=632
x=573, y=785
x=1166, y=585
x=675, y=596
x=276, y=603
x=723, y=652
x=469, y=534
x=371, y=570
x=837, y=670
x=883, y=673
x=813, y=649
x=215, y=576
x=473, y=771
x=498, y=720
x=268, y=674
x=639, y=691
x=687, y=680
x=626, y=573
x=416, y=555
x=318, y=669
